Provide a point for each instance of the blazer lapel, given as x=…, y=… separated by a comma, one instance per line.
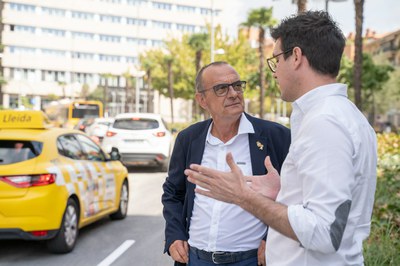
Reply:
x=258, y=152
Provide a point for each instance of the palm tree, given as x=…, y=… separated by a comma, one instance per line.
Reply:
x=128, y=79
x=199, y=42
x=359, y=6
x=168, y=59
x=261, y=19
x=148, y=64
x=106, y=76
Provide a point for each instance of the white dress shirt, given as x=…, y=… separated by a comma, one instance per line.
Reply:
x=327, y=181
x=220, y=226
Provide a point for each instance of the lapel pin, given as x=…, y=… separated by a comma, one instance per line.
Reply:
x=260, y=145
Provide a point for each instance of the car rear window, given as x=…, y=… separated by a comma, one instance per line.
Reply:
x=14, y=151
x=136, y=123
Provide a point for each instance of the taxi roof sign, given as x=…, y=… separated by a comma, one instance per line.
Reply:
x=23, y=119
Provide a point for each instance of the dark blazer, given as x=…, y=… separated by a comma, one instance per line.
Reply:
x=189, y=146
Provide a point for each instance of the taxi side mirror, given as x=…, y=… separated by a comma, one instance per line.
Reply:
x=114, y=154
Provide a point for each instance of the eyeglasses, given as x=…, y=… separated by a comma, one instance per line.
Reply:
x=222, y=89
x=272, y=61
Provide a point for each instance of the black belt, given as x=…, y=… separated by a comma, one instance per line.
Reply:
x=221, y=257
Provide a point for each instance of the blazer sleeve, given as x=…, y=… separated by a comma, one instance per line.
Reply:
x=173, y=197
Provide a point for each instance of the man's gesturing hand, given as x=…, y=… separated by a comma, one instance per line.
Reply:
x=179, y=251
x=268, y=185
x=224, y=186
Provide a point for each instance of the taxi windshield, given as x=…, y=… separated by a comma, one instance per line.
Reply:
x=14, y=151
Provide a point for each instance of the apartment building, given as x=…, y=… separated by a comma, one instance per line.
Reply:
x=53, y=47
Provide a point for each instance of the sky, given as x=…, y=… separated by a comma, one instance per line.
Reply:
x=381, y=16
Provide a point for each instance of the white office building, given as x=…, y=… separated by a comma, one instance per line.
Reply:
x=54, y=47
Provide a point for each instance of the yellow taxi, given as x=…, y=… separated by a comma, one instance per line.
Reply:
x=54, y=181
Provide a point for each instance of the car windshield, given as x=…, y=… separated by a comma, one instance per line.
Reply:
x=136, y=123
x=14, y=151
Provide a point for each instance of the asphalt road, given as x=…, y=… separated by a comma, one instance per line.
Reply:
x=137, y=240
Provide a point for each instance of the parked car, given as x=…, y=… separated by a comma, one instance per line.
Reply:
x=99, y=127
x=141, y=138
x=53, y=181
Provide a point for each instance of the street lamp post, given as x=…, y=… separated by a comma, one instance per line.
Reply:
x=212, y=31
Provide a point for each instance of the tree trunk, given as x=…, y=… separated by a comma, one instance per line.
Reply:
x=301, y=6
x=359, y=6
x=170, y=89
x=261, y=37
x=105, y=96
x=126, y=107
x=150, y=107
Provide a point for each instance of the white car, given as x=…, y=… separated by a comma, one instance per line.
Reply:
x=99, y=127
x=141, y=138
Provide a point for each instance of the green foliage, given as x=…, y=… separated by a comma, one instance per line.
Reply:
x=261, y=17
x=374, y=77
x=383, y=245
x=183, y=53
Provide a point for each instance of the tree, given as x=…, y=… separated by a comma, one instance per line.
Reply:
x=199, y=42
x=106, y=77
x=128, y=82
x=261, y=19
x=359, y=6
x=148, y=64
x=169, y=60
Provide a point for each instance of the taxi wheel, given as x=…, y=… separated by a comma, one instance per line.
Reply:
x=123, y=203
x=66, y=237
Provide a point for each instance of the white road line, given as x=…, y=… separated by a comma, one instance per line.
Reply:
x=118, y=252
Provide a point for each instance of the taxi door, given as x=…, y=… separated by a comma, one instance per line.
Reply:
x=97, y=166
x=85, y=180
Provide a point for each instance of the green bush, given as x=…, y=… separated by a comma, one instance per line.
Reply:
x=383, y=245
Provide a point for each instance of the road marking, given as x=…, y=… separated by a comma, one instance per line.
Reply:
x=118, y=252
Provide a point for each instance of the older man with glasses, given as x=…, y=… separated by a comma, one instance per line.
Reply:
x=200, y=230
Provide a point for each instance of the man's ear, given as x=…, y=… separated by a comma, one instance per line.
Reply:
x=200, y=98
x=298, y=56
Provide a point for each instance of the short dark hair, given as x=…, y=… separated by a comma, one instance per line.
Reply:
x=320, y=39
x=199, y=76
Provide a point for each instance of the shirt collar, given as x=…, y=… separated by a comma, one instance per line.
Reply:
x=245, y=127
x=308, y=100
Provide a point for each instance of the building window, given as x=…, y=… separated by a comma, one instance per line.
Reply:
x=109, y=18
x=53, y=11
x=136, y=2
x=187, y=9
x=53, y=52
x=185, y=27
x=82, y=15
x=109, y=38
x=23, y=7
x=163, y=6
x=22, y=50
x=133, y=60
x=162, y=24
x=82, y=35
x=53, y=32
x=25, y=29
x=136, y=41
x=157, y=43
x=81, y=55
x=109, y=58
x=134, y=21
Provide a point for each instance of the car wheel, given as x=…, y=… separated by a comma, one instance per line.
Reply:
x=123, y=203
x=67, y=235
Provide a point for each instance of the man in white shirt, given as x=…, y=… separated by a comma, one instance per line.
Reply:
x=325, y=196
x=200, y=230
